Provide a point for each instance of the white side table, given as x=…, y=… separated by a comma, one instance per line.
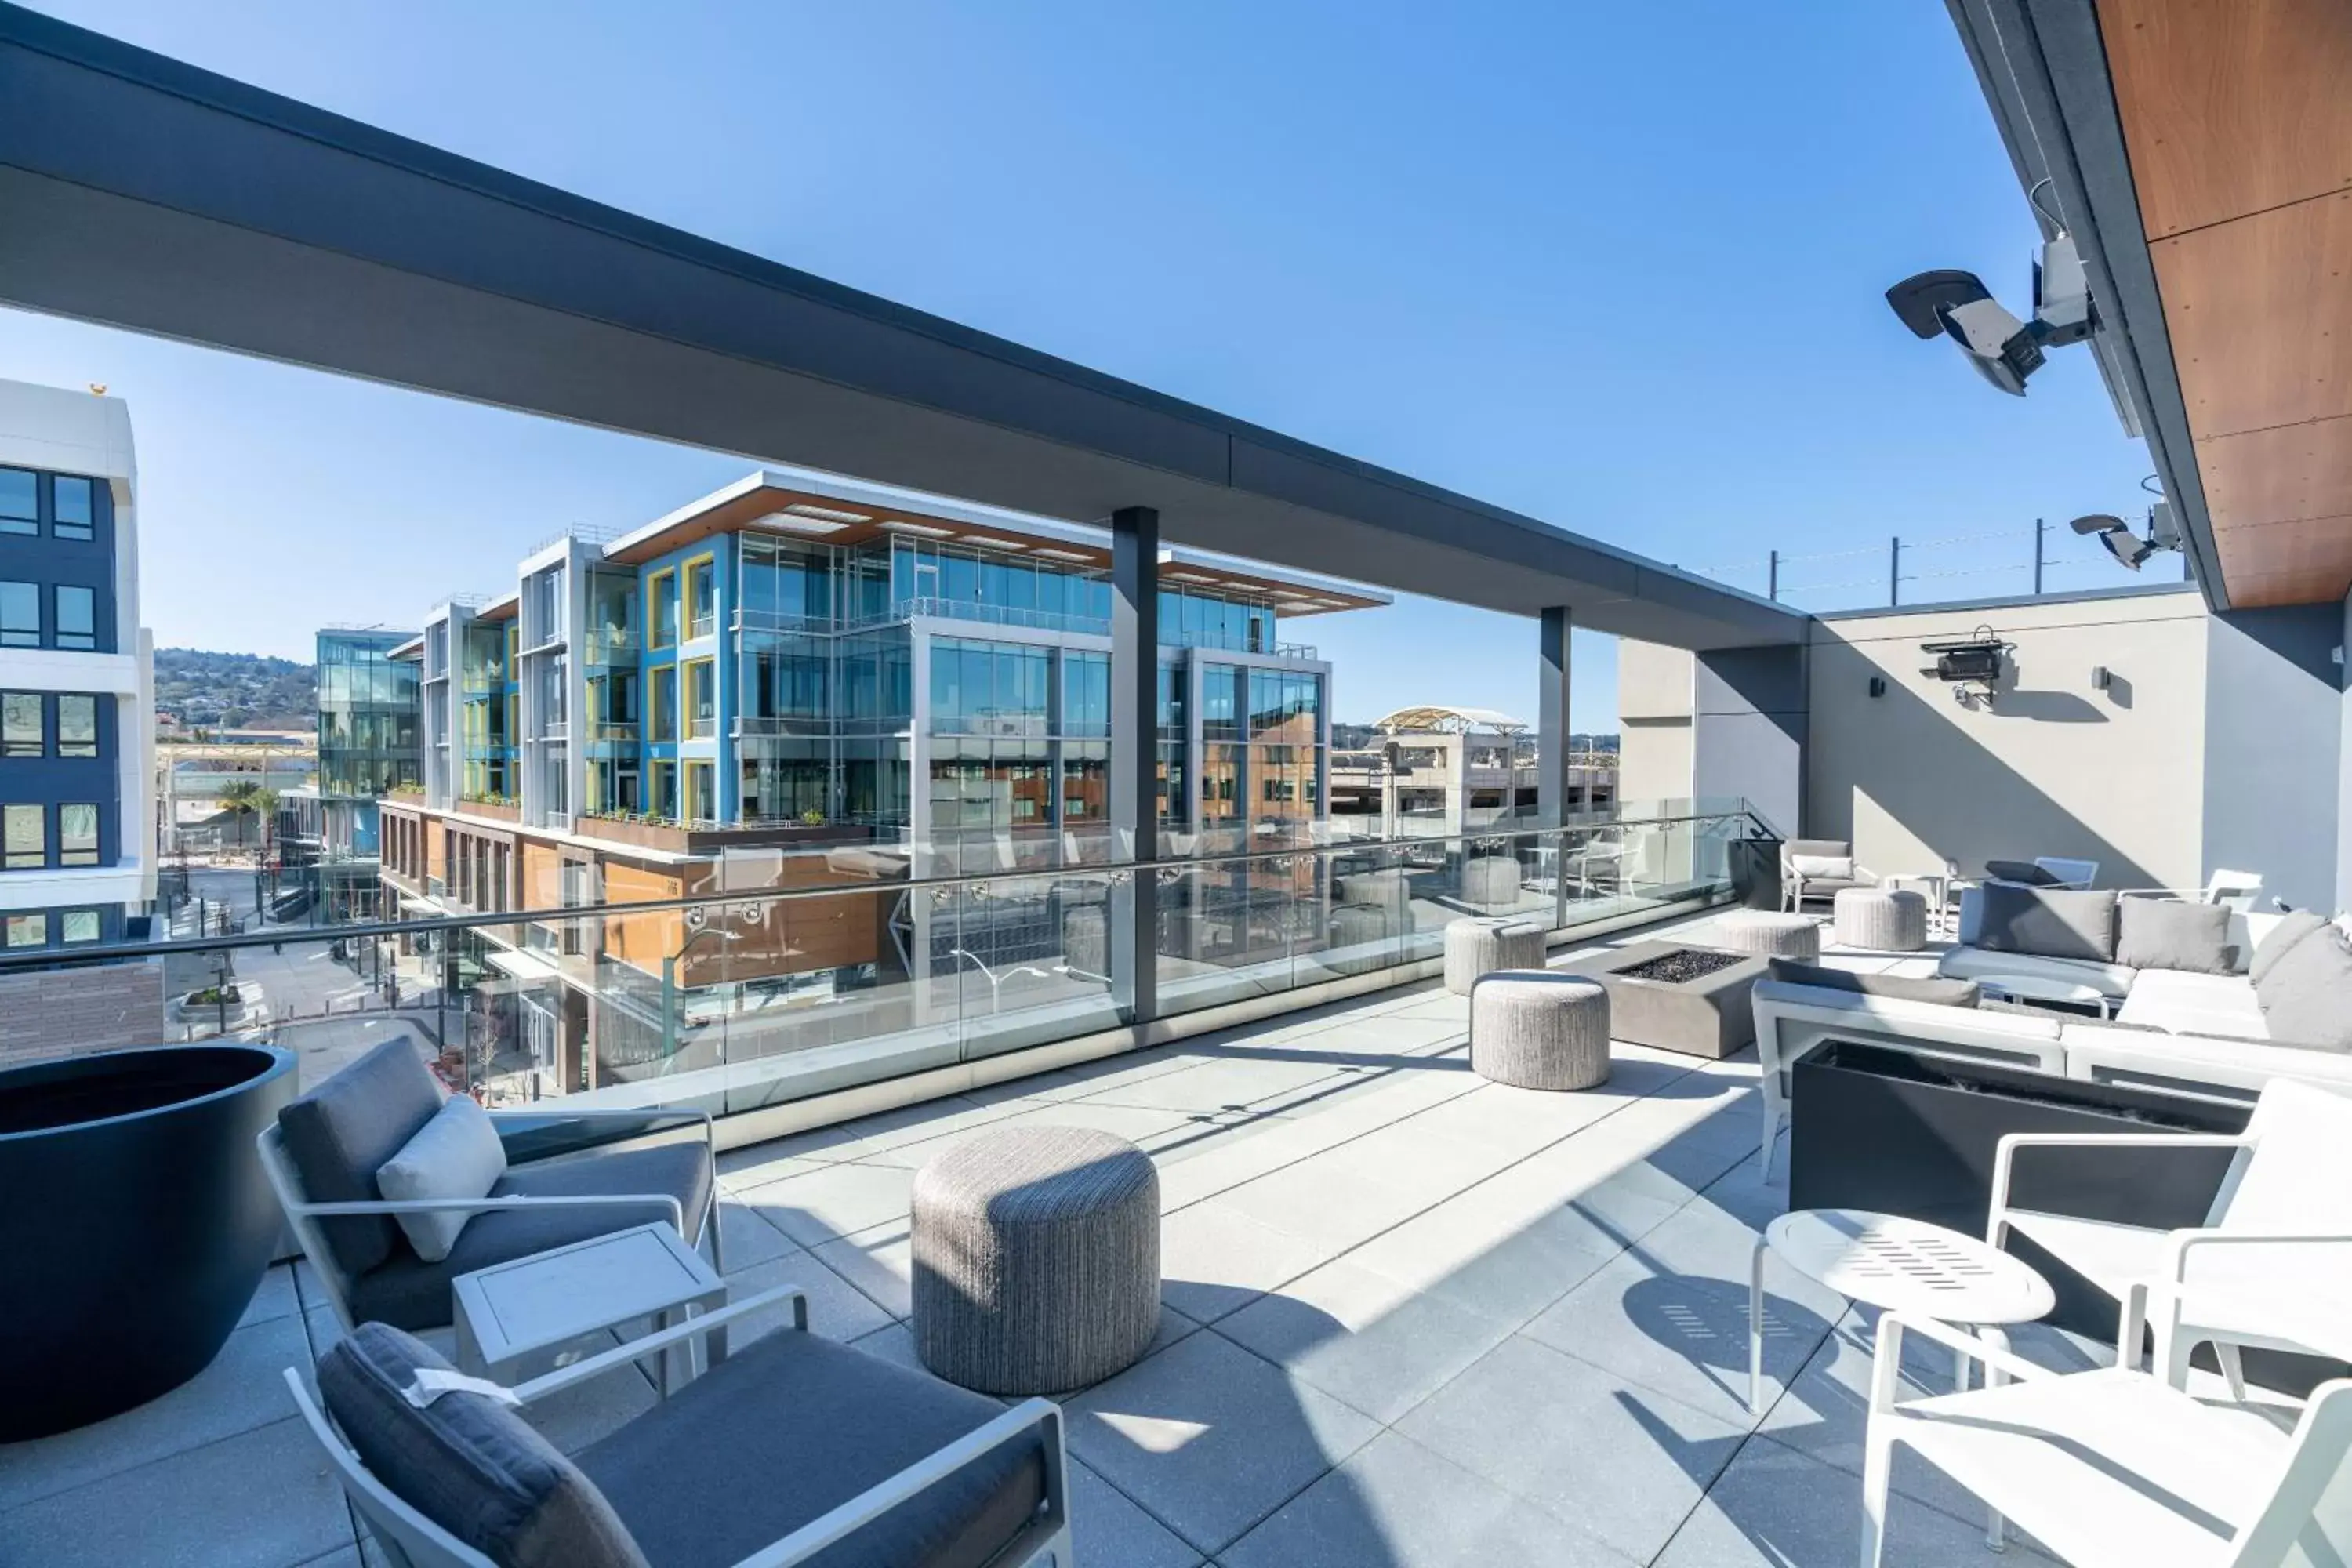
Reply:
x=1936, y=887
x=1904, y=1266
x=2040, y=988
x=511, y=1312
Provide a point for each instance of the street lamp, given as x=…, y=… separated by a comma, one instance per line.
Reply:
x=995, y=981
x=669, y=982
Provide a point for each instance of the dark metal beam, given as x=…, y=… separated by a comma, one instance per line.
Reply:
x=1552, y=717
x=144, y=193
x=1135, y=754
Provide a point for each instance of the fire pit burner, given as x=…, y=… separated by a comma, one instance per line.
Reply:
x=1680, y=966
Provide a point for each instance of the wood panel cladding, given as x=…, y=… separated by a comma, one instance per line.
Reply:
x=2231, y=107
x=2280, y=475
x=2260, y=313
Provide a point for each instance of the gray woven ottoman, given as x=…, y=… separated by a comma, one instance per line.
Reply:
x=1490, y=879
x=1535, y=1029
x=1884, y=919
x=1036, y=1255
x=1769, y=935
x=1477, y=947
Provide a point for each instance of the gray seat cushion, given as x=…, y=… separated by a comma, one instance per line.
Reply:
x=2167, y=934
x=338, y=1134
x=790, y=1429
x=410, y=1293
x=2306, y=996
x=2291, y=928
x=472, y=1466
x=2054, y=922
x=1898, y=987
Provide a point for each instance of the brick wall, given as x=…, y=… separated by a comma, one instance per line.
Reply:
x=71, y=1012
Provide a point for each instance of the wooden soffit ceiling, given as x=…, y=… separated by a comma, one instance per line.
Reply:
x=2238, y=117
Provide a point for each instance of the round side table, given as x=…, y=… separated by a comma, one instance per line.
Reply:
x=1899, y=1265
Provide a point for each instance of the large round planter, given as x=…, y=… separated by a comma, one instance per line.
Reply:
x=135, y=1223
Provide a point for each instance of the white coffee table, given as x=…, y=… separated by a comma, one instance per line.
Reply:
x=2040, y=988
x=511, y=1313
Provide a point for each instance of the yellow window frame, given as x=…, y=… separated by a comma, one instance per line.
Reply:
x=662, y=585
x=704, y=669
x=706, y=566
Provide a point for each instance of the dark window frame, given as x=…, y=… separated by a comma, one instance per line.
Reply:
x=25, y=525
x=11, y=744
x=75, y=641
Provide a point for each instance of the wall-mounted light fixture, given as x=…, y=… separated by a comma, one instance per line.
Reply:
x=1878, y=686
x=2101, y=677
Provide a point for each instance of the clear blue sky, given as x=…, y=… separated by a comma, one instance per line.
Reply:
x=1616, y=267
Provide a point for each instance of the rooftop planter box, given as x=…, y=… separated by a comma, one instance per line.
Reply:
x=676, y=838
x=495, y=810
x=137, y=1224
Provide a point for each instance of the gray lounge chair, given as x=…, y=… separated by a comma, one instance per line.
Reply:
x=1795, y=889
x=797, y=1450
x=572, y=1174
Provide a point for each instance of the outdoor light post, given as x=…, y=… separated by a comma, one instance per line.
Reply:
x=995, y=981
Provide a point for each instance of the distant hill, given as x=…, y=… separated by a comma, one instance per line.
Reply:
x=235, y=690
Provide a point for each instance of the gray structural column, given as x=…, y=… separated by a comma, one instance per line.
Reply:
x=1134, y=751
x=1553, y=776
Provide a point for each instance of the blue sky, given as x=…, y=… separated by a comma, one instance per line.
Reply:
x=1617, y=266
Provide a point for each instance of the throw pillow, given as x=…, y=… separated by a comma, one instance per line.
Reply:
x=2025, y=873
x=1898, y=987
x=2307, y=997
x=466, y=1461
x=1832, y=868
x=2166, y=934
x=2055, y=922
x=2291, y=928
x=455, y=1155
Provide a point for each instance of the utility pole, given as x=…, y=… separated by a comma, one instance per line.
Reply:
x=2040, y=528
x=1895, y=571
x=1772, y=576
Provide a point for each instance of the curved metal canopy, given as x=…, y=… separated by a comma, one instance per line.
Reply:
x=1434, y=721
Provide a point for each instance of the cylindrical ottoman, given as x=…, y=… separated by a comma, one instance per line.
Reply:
x=1361, y=934
x=1882, y=919
x=1036, y=1254
x=1769, y=935
x=1386, y=889
x=1086, y=939
x=1534, y=1029
x=1490, y=879
x=1477, y=947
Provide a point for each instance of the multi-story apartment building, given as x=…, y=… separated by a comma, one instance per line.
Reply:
x=367, y=749
x=77, y=683
x=800, y=663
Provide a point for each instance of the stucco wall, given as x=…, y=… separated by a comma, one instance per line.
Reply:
x=2273, y=750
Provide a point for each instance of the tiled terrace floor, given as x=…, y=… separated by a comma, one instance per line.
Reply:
x=1412, y=1318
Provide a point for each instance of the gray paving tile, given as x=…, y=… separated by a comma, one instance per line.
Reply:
x=1497, y=1263
x=1131, y=1122
x=1222, y=1084
x=1566, y=1435
x=1210, y=1439
x=1774, y=1507
x=1332, y=1204
x=276, y=1297
x=814, y=1206
x=1364, y=1338
x=1215, y=1259
x=1395, y=1504
x=239, y=1391
x=265, y=1498
x=746, y=1236
x=837, y=1309
x=1108, y=1530
x=879, y=1262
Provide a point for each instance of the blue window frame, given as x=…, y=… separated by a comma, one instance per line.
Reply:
x=77, y=617
x=20, y=501
x=73, y=511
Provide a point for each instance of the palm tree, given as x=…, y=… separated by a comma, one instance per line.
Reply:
x=248, y=798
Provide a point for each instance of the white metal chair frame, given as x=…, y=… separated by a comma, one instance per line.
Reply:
x=1792, y=886
x=2167, y=1302
x=2271, y=1536
x=2235, y=889
x=418, y=1543
x=304, y=1215
x=2070, y=873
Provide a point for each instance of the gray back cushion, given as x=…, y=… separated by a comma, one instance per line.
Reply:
x=2055, y=922
x=1898, y=987
x=2166, y=934
x=2291, y=928
x=338, y=1134
x=469, y=1464
x=2022, y=871
x=2306, y=996
x=1834, y=848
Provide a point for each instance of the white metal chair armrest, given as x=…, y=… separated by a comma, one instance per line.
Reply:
x=2179, y=1243
x=1887, y=1371
x=482, y=1205
x=2004, y=1160
x=652, y=1344
x=1042, y=1416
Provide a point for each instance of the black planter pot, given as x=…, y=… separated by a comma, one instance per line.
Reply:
x=135, y=1223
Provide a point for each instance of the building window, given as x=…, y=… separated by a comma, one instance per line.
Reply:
x=663, y=780
x=701, y=791
x=77, y=617
x=20, y=501
x=77, y=835
x=664, y=714
x=661, y=609
x=73, y=511
x=81, y=926
x=24, y=838
x=22, y=732
x=77, y=726
x=701, y=597
x=28, y=930
x=20, y=615
x=701, y=699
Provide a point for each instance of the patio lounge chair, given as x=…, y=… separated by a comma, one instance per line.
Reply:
x=796, y=1450
x=1796, y=886
x=2272, y=1265
x=2111, y=1469
x=572, y=1174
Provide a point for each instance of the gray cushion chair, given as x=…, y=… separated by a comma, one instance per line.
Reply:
x=1536, y=1029
x=795, y=1451
x=1475, y=947
x=571, y=1173
x=1036, y=1259
x=1796, y=886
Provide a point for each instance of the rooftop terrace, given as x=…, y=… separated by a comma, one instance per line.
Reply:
x=1411, y=1318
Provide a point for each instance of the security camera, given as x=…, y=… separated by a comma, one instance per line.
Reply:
x=2004, y=350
